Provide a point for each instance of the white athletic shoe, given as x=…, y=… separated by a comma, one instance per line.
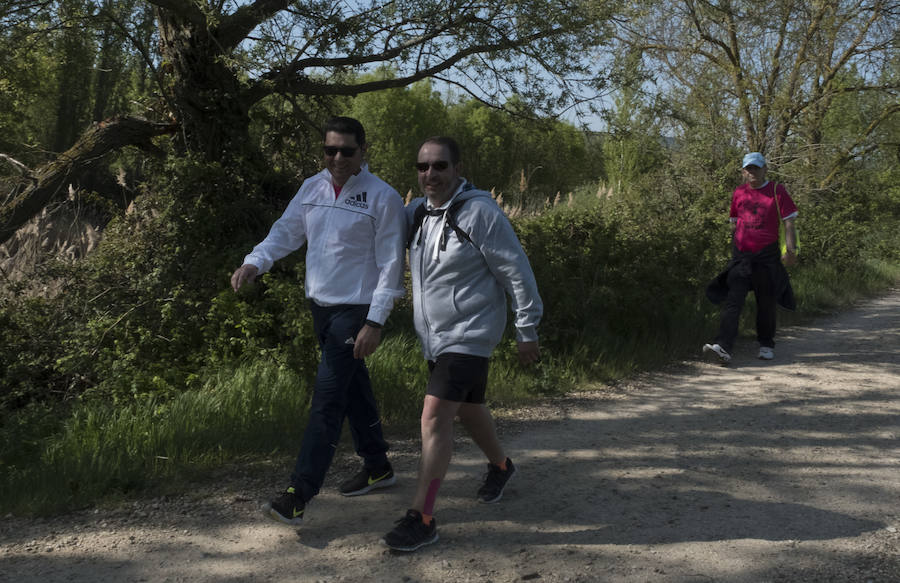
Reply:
x=719, y=351
x=766, y=353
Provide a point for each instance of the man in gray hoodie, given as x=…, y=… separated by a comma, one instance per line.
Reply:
x=464, y=257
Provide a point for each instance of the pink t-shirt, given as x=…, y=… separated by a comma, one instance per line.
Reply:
x=756, y=215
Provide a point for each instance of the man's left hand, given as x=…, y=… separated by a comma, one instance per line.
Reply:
x=367, y=340
x=529, y=352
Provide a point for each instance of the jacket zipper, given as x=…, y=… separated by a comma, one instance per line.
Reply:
x=422, y=253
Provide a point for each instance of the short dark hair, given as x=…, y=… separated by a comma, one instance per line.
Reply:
x=346, y=125
x=448, y=143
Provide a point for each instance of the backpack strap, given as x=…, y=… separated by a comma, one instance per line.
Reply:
x=451, y=222
x=419, y=216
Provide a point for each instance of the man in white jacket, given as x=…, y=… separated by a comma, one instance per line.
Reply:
x=465, y=259
x=353, y=225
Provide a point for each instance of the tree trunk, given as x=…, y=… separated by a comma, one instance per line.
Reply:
x=50, y=181
x=206, y=93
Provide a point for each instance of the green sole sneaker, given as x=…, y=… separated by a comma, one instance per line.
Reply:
x=365, y=481
x=288, y=508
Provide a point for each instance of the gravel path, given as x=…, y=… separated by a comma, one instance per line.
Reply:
x=762, y=471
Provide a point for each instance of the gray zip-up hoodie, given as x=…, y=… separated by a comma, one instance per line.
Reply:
x=459, y=292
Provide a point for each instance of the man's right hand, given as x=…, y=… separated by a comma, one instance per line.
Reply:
x=243, y=274
x=789, y=258
x=528, y=352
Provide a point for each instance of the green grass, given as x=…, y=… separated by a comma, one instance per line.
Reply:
x=827, y=287
x=74, y=455
x=398, y=372
x=101, y=448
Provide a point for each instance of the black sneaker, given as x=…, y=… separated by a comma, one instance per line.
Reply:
x=287, y=508
x=495, y=481
x=366, y=480
x=411, y=533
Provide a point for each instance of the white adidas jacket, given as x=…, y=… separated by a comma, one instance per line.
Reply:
x=355, y=243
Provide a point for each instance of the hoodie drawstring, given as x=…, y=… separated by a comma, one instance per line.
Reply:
x=440, y=241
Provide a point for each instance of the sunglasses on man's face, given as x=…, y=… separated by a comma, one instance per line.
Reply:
x=440, y=166
x=346, y=152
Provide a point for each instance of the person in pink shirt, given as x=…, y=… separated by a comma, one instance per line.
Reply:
x=757, y=264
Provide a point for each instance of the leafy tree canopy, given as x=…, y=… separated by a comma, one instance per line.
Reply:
x=764, y=75
x=206, y=65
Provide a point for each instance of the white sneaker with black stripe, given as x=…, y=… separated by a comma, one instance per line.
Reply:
x=720, y=352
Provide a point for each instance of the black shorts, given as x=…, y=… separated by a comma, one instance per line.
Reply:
x=458, y=377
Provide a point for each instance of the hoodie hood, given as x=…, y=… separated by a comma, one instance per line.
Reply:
x=438, y=217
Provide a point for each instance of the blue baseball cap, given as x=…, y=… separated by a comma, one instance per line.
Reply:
x=753, y=159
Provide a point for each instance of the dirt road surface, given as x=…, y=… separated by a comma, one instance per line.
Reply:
x=783, y=471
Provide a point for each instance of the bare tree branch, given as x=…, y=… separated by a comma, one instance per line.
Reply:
x=22, y=168
x=849, y=153
x=236, y=27
x=281, y=83
x=51, y=180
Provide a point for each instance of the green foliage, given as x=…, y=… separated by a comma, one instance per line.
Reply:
x=26, y=76
x=268, y=320
x=511, y=385
x=508, y=150
x=776, y=97
x=131, y=320
x=61, y=68
x=527, y=160
x=31, y=332
x=396, y=121
x=398, y=374
x=817, y=292
x=288, y=131
x=612, y=280
x=633, y=147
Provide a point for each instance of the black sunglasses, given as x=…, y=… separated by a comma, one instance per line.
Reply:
x=440, y=165
x=345, y=152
